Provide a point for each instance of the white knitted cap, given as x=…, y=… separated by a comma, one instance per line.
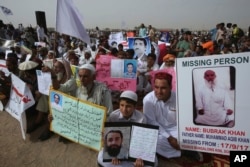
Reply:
x=130, y=95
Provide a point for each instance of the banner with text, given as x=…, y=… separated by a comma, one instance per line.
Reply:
x=79, y=121
x=213, y=105
x=21, y=99
x=118, y=74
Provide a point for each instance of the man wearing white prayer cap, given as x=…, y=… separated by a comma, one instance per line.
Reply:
x=88, y=67
x=27, y=65
x=129, y=95
x=89, y=90
x=29, y=76
x=92, y=90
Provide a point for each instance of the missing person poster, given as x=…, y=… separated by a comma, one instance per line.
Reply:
x=213, y=103
x=129, y=141
x=79, y=121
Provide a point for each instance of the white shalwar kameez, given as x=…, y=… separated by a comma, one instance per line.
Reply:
x=162, y=114
x=215, y=103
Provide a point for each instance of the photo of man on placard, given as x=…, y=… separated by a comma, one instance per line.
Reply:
x=214, y=98
x=141, y=46
x=57, y=102
x=129, y=70
x=114, y=145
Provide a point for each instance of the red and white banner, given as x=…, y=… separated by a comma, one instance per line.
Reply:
x=21, y=99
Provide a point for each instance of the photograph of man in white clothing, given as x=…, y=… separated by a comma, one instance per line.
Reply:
x=214, y=97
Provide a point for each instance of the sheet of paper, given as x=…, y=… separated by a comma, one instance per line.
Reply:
x=143, y=143
x=44, y=81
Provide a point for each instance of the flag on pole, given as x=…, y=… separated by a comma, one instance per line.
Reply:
x=69, y=20
x=6, y=11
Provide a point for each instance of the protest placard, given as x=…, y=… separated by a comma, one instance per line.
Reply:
x=213, y=103
x=21, y=99
x=137, y=141
x=77, y=120
x=114, y=72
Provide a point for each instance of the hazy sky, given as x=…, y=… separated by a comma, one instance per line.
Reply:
x=192, y=14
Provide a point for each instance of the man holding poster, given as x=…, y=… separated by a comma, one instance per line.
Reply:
x=89, y=90
x=159, y=107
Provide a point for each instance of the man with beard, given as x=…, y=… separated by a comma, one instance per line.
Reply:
x=89, y=89
x=213, y=103
x=61, y=74
x=113, y=145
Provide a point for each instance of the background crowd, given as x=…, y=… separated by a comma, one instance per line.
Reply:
x=31, y=49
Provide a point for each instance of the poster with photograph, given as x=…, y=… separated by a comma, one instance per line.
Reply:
x=141, y=46
x=115, y=38
x=128, y=141
x=212, y=103
x=164, y=36
x=77, y=120
x=118, y=74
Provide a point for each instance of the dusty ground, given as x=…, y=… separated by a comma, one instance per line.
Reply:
x=16, y=152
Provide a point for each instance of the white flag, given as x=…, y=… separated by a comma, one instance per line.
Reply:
x=69, y=20
x=6, y=11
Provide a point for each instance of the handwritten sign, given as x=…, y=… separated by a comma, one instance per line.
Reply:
x=91, y=119
x=111, y=71
x=79, y=121
x=145, y=137
x=140, y=138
